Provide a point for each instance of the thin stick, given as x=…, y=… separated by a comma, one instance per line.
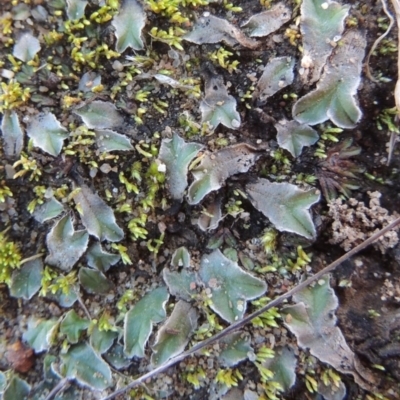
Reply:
x=279, y=300
x=83, y=305
x=31, y=258
x=377, y=41
x=392, y=144
x=396, y=6
x=56, y=389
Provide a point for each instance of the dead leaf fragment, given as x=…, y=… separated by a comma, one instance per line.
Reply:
x=211, y=216
x=20, y=357
x=335, y=95
x=216, y=168
x=285, y=205
x=66, y=246
x=97, y=216
x=322, y=24
x=218, y=107
x=210, y=29
x=313, y=322
x=174, y=335
x=278, y=74
x=269, y=21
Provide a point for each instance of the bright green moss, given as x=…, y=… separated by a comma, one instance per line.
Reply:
x=10, y=258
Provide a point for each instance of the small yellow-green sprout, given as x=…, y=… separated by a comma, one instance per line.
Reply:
x=234, y=207
x=266, y=3
x=173, y=37
x=195, y=375
x=5, y=192
x=212, y=325
x=188, y=123
x=142, y=95
x=231, y=7
x=387, y=118
x=376, y=396
x=16, y=64
x=229, y=377
x=330, y=377
x=6, y=21
x=222, y=55
x=10, y=258
x=195, y=83
x=293, y=35
x=331, y=134
x=12, y=95
x=104, y=14
x=29, y=165
x=247, y=97
x=171, y=8
x=136, y=171
x=320, y=151
x=264, y=372
x=161, y=106
x=106, y=323
x=122, y=250
x=289, y=96
x=124, y=208
x=302, y=260
x=127, y=297
x=271, y=390
x=155, y=248
x=130, y=187
x=222, y=141
x=52, y=37
x=387, y=46
x=72, y=194
x=136, y=227
x=311, y=384
x=269, y=240
x=373, y=313
x=139, y=114
x=69, y=101
x=305, y=178
x=64, y=284
x=268, y=318
x=280, y=157
x=48, y=275
x=139, y=394
x=143, y=152
x=39, y=199
x=264, y=353
x=351, y=22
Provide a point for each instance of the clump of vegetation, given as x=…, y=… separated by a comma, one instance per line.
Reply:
x=12, y=95
x=10, y=258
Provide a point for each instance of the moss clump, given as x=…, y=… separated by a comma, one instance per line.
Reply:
x=5, y=192
x=12, y=95
x=10, y=258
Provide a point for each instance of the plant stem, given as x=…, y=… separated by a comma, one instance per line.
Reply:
x=56, y=389
x=31, y=258
x=377, y=41
x=396, y=6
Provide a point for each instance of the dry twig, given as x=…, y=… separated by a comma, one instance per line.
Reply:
x=393, y=136
x=377, y=41
x=396, y=6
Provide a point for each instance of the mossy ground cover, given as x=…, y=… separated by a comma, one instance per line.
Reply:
x=109, y=262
